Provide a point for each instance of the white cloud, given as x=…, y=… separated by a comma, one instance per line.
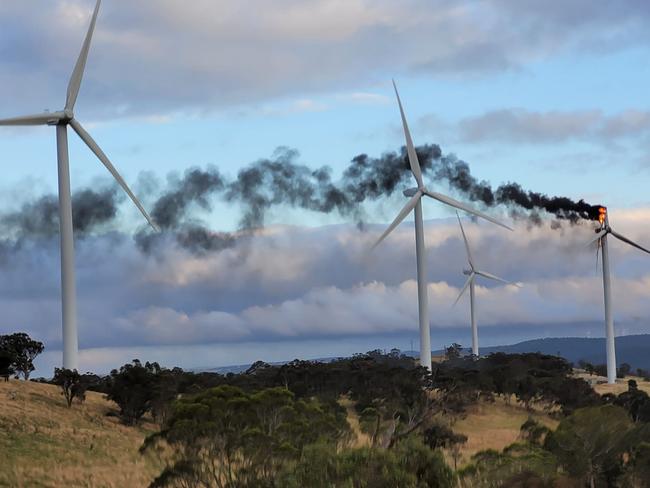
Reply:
x=296, y=283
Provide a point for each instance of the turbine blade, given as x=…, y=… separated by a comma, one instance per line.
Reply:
x=90, y=142
x=469, y=253
x=490, y=276
x=39, y=119
x=413, y=157
x=628, y=241
x=467, y=283
x=466, y=208
x=400, y=216
x=78, y=72
x=597, y=238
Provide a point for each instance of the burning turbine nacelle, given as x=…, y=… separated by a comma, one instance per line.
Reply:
x=602, y=217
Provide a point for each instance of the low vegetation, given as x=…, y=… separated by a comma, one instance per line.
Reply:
x=371, y=420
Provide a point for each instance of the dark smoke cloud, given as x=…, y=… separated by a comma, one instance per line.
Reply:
x=521, y=203
x=173, y=213
x=280, y=180
x=195, y=188
x=91, y=209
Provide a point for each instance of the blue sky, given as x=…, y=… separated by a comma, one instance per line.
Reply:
x=551, y=96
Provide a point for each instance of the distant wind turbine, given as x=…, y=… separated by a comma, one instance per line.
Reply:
x=601, y=240
x=472, y=273
x=61, y=120
x=415, y=203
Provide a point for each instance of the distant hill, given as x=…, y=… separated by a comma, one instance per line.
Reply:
x=632, y=349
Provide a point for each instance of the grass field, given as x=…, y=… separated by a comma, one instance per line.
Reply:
x=45, y=444
x=494, y=426
x=621, y=384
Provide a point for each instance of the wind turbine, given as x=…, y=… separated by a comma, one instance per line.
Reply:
x=601, y=239
x=472, y=273
x=61, y=120
x=415, y=203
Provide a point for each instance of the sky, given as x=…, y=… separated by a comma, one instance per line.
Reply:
x=550, y=95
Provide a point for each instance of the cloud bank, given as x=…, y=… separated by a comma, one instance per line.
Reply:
x=152, y=58
x=319, y=284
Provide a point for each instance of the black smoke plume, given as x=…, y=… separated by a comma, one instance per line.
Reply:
x=91, y=209
x=520, y=202
x=280, y=180
x=172, y=212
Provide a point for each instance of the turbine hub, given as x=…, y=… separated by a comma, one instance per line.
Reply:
x=410, y=192
x=68, y=115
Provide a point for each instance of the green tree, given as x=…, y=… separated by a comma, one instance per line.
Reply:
x=638, y=469
x=132, y=388
x=534, y=432
x=491, y=468
x=410, y=464
x=70, y=381
x=225, y=437
x=590, y=443
x=23, y=350
x=453, y=351
x=6, y=365
x=623, y=370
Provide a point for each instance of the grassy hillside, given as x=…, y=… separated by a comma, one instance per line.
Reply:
x=45, y=444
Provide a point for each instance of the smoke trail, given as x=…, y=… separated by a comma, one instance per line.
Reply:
x=522, y=203
x=371, y=178
x=172, y=211
x=281, y=180
x=195, y=188
x=91, y=209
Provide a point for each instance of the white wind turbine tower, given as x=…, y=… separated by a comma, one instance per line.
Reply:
x=61, y=120
x=601, y=239
x=415, y=203
x=472, y=273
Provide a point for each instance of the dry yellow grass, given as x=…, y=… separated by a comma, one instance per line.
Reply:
x=45, y=444
x=619, y=387
x=494, y=426
x=359, y=437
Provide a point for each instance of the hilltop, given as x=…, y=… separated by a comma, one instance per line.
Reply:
x=632, y=349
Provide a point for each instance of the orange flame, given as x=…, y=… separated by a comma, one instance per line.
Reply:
x=602, y=214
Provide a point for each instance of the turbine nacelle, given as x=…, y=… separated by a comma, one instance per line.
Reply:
x=467, y=272
x=412, y=191
x=605, y=229
x=64, y=116
x=55, y=118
